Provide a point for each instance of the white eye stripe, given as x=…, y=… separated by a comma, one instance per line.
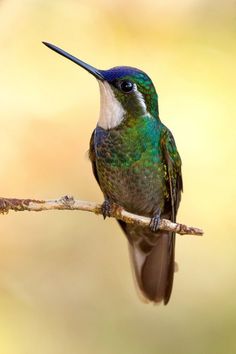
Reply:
x=135, y=88
x=141, y=101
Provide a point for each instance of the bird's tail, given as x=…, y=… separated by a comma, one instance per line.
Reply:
x=152, y=260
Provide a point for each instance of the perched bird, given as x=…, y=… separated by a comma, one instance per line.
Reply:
x=137, y=166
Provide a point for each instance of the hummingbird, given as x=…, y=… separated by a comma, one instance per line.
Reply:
x=137, y=166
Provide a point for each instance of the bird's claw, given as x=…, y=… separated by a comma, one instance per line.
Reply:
x=106, y=209
x=154, y=223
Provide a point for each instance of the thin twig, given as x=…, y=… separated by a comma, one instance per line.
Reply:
x=69, y=203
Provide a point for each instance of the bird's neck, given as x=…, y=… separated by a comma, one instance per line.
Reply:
x=113, y=113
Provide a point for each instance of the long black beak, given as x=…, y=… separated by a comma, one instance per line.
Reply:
x=89, y=68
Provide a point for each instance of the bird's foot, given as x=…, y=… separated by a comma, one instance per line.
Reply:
x=155, y=222
x=106, y=208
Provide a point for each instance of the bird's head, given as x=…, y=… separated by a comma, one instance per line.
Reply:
x=124, y=91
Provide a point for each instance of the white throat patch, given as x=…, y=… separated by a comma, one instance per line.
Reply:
x=111, y=110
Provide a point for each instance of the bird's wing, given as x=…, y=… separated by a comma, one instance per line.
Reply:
x=175, y=185
x=173, y=165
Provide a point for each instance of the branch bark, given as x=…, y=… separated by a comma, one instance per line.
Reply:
x=69, y=203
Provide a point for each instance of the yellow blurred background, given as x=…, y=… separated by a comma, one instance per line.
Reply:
x=65, y=279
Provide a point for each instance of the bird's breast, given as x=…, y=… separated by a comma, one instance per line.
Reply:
x=130, y=170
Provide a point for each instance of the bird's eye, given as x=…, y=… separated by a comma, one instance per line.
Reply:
x=126, y=86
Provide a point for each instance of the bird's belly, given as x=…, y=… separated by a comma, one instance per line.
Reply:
x=138, y=189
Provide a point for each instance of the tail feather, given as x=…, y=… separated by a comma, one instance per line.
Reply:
x=152, y=260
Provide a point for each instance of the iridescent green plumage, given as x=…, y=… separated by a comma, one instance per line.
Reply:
x=137, y=165
x=129, y=160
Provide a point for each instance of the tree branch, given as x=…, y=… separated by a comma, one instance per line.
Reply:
x=69, y=203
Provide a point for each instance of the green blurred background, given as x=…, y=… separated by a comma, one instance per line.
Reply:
x=65, y=279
